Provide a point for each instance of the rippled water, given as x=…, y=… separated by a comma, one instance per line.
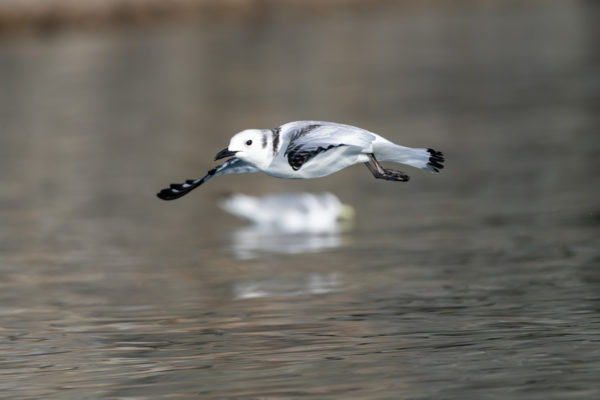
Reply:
x=481, y=282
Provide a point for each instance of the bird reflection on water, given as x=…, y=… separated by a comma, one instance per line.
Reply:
x=287, y=223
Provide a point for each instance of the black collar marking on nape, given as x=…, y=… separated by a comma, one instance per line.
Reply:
x=275, y=132
x=264, y=140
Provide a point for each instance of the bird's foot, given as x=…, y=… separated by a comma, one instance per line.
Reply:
x=392, y=175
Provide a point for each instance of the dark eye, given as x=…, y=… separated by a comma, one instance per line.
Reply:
x=248, y=143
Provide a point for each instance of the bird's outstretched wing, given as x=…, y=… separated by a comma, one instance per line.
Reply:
x=232, y=166
x=309, y=138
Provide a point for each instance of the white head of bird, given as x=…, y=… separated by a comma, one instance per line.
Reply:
x=250, y=145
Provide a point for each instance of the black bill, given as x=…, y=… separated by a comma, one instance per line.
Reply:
x=224, y=153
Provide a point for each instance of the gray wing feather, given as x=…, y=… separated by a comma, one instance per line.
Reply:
x=309, y=138
x=232, y=166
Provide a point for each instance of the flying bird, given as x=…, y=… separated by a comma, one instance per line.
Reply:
x=311, y=149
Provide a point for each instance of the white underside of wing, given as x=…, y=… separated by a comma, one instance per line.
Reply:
x=322, y=164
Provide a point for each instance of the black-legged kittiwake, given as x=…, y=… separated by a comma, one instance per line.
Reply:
x=311, y=149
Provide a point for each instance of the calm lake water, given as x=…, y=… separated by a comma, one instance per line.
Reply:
x=481, y=282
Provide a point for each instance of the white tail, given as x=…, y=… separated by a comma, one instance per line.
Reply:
x=427, y=159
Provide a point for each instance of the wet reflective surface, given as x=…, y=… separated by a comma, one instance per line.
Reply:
x=479, y=282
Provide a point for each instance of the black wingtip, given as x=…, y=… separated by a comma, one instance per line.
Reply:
x=176, y=190
x=436, y=160
x=164, y=195
x=169, y=194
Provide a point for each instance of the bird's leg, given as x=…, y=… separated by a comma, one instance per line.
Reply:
x=383, y=173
